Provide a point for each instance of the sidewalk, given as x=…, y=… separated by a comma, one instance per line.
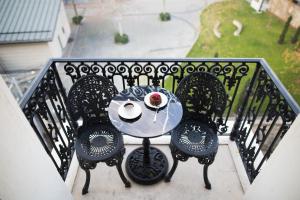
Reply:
x=149, y=37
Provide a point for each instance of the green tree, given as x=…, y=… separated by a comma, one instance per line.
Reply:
x=285, y=29
x=296, y=36
x=164, y=15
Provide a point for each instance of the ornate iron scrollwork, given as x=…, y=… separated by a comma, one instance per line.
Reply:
x=156, y=73
x=47, y=113
x=266, y=109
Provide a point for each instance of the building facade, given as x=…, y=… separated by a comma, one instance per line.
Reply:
x=31, y=32
x=284, y=8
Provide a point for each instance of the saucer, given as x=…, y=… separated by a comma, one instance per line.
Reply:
x=164, y=100
x=130, y=110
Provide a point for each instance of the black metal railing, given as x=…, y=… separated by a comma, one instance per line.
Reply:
x=264, y=116
x=256, y=99
x=44, y=105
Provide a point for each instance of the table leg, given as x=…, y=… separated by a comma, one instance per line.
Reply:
x=146, y=146
x=146, y=165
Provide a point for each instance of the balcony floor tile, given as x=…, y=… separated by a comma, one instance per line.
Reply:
x=187, y=182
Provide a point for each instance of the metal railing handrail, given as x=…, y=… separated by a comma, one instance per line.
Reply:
x=35, y=83
x=294, y=105
x=43, y=70
x=248, y=60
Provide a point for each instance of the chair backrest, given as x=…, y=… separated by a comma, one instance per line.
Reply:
x=89, y=98
x=202, y=96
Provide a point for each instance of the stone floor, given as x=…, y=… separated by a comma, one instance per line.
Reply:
x=187, y=182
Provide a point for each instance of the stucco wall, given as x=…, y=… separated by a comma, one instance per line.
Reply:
x=279, y=178
x=281, y=9
x=61, y=35
x=26, y=171
x=24, y=56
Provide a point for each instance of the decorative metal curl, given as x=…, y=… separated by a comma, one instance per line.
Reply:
x=207, y=160
x=179, y=155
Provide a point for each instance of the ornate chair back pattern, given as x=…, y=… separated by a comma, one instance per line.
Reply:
x=89, y=97
x=202, y=96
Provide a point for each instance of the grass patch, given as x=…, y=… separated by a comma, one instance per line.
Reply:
x=257, y=40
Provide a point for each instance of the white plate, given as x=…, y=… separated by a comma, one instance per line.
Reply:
x=130, y=110
x=164, y=100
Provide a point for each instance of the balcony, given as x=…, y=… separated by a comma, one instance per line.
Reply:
x=259, y=113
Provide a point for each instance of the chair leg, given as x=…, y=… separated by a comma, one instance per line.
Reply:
x=206, y=181
x=87, y=181
x=124, y=179
x=170, y=174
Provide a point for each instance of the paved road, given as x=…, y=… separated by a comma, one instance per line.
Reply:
x=149, y=37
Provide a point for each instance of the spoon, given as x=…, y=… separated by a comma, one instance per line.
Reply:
x=156, y=111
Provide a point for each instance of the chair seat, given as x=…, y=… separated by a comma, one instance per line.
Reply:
x=98, y=142
x=195, y=139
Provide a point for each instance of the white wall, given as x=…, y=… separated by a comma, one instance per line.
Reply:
x=26, y=171
x=24, y=56
x=258, y=5
x=280, y=177
x=62, y=31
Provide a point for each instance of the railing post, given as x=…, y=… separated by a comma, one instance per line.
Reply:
x=243, y=105
x=59, y=83
x=63, y=92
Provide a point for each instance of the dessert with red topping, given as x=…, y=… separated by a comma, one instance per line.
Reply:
x=155, y=99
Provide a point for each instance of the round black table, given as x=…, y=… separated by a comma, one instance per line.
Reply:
x=146, y=165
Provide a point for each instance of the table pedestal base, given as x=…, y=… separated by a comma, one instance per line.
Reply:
x=147, y=171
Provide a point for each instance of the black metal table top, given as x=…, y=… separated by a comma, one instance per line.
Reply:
x=167, y=118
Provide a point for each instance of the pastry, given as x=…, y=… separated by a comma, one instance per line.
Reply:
x=155, y=99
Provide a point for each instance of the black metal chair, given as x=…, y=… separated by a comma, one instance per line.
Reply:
x=97, y=140
x=203, y=98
